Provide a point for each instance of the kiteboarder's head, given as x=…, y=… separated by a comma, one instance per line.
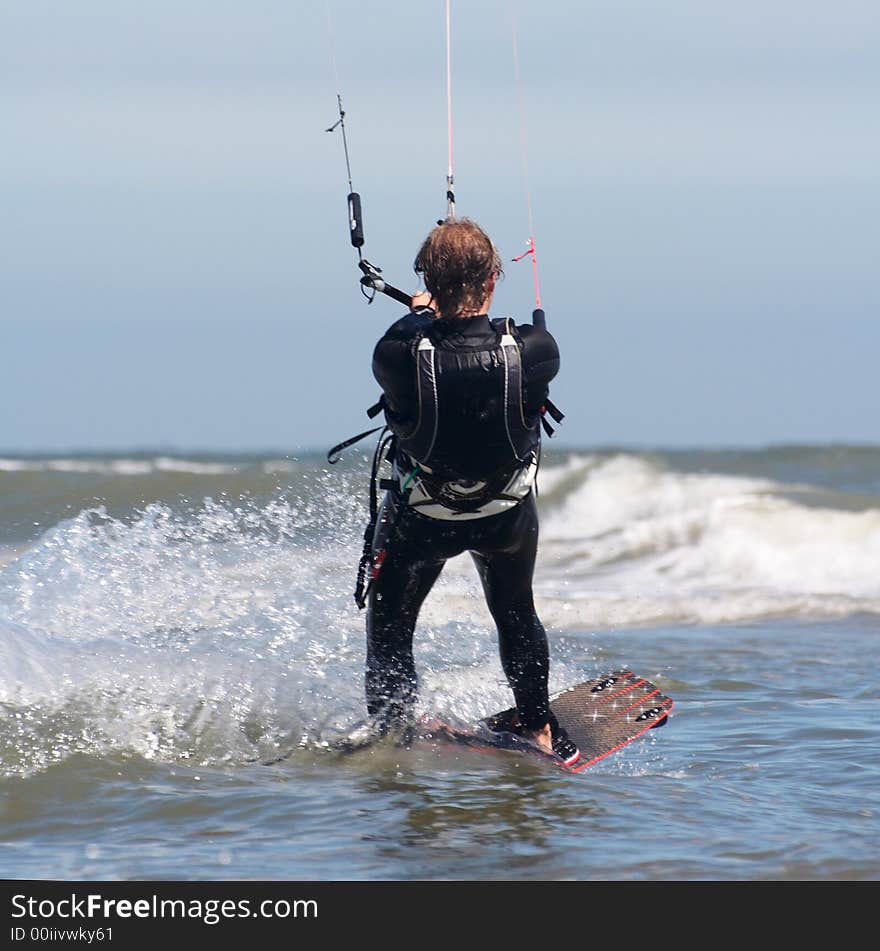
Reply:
x=459, y=265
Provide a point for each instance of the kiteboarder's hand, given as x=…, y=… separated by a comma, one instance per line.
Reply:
x=421, y=299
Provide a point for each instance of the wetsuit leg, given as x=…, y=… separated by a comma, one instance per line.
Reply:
x=503, y=548
x=505, y=560
x=396, y=597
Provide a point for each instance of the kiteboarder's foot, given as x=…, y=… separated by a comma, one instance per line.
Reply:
x=542, y=738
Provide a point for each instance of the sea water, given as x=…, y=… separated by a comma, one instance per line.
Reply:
x=171, y=624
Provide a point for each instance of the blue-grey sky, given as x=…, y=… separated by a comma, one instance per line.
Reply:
x=175, y=269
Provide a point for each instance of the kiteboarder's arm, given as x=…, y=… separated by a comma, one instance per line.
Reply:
x=393, y=362
x=540, y=365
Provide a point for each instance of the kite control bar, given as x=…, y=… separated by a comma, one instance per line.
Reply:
x=373, y=280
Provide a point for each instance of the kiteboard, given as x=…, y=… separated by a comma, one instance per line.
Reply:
x=600, y=716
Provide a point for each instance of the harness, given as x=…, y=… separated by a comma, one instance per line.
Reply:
x=421, y=441
x=457, y=500
x=431, y=486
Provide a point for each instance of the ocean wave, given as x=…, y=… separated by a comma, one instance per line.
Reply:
x=625, y=538
x=116, y=466
x=636, y=542
x=227, y=631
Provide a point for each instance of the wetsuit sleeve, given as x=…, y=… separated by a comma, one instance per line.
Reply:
x=540, y=356
x=394, y=366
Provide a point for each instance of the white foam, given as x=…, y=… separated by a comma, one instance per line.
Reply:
x=167, y=464
x=211, y=636
x=116, y=466
x=641, y=543
x=279, y=466
x=9, y=553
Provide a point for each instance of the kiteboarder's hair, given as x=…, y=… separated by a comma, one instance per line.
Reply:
x=457, y=262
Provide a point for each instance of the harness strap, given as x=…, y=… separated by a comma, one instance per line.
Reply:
x=334, y=454
x=514, y=421
x=377, y=407
x=554, y=411
x=423, y=435
x=461, y=508
x=362, y=585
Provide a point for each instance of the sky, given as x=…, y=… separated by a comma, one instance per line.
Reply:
x=702, y=179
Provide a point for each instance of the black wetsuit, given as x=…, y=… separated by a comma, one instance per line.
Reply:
x=503, y=546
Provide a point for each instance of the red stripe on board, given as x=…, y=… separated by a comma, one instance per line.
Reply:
x=647, y=696
x=622, y=690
